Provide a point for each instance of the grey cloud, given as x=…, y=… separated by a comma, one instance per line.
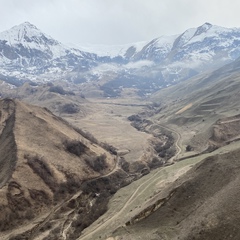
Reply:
x=117, y=21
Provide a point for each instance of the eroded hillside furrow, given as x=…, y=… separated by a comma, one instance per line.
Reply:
x=150, y=209
x=8, y=147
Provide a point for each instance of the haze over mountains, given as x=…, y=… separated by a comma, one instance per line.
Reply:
x=27, y=54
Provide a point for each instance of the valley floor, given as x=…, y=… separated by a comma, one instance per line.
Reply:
x=108, y=123
x=131, y=205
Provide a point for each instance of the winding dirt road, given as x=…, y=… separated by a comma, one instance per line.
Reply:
x=177, y=143
x=145, y=185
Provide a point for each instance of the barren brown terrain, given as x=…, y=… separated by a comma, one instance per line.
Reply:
x=191, y=208
x=57, y=167
x=133, y=142
x=165, y=167
x=108, y=122
x=43, y=161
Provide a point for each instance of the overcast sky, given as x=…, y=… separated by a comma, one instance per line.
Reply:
x=117, y=21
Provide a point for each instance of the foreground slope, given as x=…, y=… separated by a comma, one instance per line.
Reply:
x=202, y=204
x=43, y=160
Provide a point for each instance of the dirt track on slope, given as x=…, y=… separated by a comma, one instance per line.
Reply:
x=177, y=143
x=137, y=193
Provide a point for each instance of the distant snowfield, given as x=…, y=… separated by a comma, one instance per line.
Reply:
x=108, y=50
x=26, y=53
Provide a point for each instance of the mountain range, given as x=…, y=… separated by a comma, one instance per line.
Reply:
x=165, y=166
x=27, y=54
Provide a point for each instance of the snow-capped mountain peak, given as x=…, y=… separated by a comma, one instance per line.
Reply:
x=26, y=34
x=27, y=52
x=26, y=47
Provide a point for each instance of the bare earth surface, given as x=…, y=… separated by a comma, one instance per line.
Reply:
x=108, y=122
x=131, y=200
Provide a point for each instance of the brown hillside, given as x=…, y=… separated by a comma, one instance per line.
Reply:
x=42, y=159
x=202, y=204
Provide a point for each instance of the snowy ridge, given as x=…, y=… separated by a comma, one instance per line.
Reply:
x=108, y=50
x=25, y=33
x=31, y=37
x=166, y=42
x=25, y=46
x=28, y=54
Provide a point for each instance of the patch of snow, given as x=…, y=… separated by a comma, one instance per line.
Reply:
x=108, y=50
x=166, y=42
x=214, y=32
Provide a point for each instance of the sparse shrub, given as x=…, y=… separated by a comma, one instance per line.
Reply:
x=69, y=108
x=166, y=150
x=158, y=148
x=92, y=139
x=39, y=196
x=97, y=163
x=94, y=212
x=12, y=217
x=135, y=118
x=29, y=214
x=156, y=162
x=109, y=148
x=59, y=89
x=125, y=165
x=137, y=125
x=155, y=104
x=19, y=237
x=137, y=166
x=189, y=148
x=71, y=186
x=75, y=147
x=41, y=168
x=46, y=227
x=86, y=135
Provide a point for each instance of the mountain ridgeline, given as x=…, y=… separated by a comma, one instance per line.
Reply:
x=156, y=171
x=27, y=54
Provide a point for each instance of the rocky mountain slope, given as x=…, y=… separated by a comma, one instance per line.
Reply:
x=27, y=54
x=195, y=108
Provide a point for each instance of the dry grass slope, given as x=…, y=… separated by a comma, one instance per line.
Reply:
x=43, y=161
